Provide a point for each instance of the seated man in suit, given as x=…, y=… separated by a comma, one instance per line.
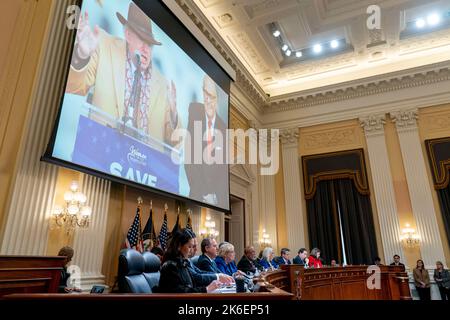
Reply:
x=301, y=258
x=248, y=262
x=209, y=253
x=284, y=258
x=205, y=277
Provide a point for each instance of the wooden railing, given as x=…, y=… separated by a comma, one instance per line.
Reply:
x=29, y=274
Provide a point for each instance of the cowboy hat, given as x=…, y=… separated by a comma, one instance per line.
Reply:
x=139, y=23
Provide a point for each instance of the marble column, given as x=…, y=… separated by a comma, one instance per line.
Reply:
x=419, y=186
x=293, y=191
x=26, y=218
x=89, y=243
x=383, y=185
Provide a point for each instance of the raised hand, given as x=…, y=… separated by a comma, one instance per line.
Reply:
x=87, y=39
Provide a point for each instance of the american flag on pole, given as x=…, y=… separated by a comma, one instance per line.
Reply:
x=134, y=237
x=149, y=233
x=163, y=234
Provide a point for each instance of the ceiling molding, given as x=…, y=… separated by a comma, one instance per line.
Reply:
x=415, y=77
x=243, y=78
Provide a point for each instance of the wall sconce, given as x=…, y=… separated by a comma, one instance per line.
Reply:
x=74, y=213
x=265, y=240
x=409, y=236
x=209, y=230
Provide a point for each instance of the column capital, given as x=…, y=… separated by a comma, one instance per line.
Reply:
x=289, y=136
x=405, y=119
x=373, y=124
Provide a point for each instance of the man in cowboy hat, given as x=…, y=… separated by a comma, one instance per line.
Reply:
x=125, y=84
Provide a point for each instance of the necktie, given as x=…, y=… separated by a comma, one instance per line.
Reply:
x=209, y=138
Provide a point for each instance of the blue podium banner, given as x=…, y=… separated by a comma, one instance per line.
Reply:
x=107, y=150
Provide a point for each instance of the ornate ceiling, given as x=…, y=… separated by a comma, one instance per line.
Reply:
x=246, y=26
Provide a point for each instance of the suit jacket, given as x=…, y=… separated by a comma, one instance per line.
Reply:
x=246, y=265
x=299, y=261
x=421, y=275
x=176, y=278
x=280, y=260
x=202, y=278
x=206, y=264
x=266, y=265
x=106, y=73
x=215, y=176
x=445, y=276
x=225, y=268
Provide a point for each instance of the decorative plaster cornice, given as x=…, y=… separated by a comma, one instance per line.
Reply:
x=373, y=125
x=289, y=136
x=247, y=85
x=405, y=119
x=361, y=88
x=243, y=79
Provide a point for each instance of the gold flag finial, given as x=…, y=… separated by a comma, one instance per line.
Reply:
x=151, y=204
x=140, y=201
x=166, y=207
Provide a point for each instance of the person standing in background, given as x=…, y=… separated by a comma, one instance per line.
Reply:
x=442, y=278
x=422, y=281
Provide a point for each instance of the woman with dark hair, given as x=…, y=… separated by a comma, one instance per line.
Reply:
x=175, y=276
x=314, y=259
x=422, y=280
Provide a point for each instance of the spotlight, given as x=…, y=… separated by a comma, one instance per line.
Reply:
x=420, y=23
x=334, y=44
x=298, y=54
x=317, y=48
x=288, y=52
x=433, y=19
x=276, y=33
x=284, y=47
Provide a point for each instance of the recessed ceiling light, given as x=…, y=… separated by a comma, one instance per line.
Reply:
x=317, y=48
x=298, y=54
x=276, y=33
x=420, y=23
x=288, y=52
x=284, y=47
x=334, y=44
x=433, y=19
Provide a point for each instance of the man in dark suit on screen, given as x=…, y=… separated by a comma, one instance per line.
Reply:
x=208, y=180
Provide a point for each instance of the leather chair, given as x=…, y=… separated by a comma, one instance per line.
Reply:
x=194, y=260
x=131, y=272
x=151, y=269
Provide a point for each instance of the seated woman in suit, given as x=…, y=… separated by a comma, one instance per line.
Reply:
x=225, y=259
x=267, y=261
x=314, y=259
x=175, y=276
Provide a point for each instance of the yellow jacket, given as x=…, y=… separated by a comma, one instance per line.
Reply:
x=105, y=72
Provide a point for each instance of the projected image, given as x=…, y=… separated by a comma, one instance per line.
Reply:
x=129, y=88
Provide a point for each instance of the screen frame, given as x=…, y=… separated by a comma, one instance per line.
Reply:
x=182, y=37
